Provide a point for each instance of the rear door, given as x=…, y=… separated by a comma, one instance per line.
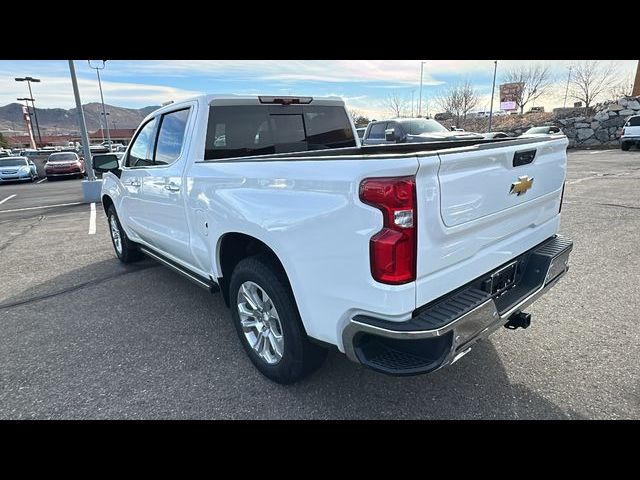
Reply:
x=481, y=206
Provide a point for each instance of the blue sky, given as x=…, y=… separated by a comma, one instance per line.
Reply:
x=363, y=84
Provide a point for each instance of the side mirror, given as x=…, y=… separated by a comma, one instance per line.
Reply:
x=105, y=163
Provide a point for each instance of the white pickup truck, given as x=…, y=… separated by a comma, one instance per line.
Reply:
x=401, y=256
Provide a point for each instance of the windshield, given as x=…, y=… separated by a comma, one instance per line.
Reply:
x=13, y=162
x=416, y=127
x=63, y=157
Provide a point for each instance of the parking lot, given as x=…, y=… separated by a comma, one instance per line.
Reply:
x=84, y=336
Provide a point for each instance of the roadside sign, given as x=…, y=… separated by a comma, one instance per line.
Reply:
x=509, y=93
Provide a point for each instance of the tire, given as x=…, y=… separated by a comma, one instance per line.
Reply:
x=127, y=251
x=299, y=356
x=625, y=146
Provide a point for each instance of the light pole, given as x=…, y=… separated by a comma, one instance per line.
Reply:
x=493, y=89
x=420, y=101
x=567, y=89
x=412, y=92
x=106, y=122
x=104, y=112
x=33, y=104
x=83, y=126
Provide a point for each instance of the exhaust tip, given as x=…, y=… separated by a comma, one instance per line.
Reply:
x=518, y=320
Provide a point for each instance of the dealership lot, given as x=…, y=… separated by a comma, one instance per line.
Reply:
x=84, y=336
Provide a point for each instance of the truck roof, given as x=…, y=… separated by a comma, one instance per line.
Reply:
x=230, y=99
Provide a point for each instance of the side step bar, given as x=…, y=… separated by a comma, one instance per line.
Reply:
x=199, y=280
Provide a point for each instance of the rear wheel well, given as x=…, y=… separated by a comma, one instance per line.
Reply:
x=106, y=203
x=236, y=246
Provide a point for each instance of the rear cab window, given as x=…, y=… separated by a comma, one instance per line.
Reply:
x=251, y=130
x=633, y=122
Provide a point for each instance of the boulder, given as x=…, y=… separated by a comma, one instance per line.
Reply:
x=614, y=107
x=613, y=114
x=578, y=119
x=616, y=121
x=602, y=135
x=603, y=115
x=584, y=133
x=626, y=113
x=591, y=142
x=582, y=125
x=594, y=125
x=633, y=105
x=623, y=101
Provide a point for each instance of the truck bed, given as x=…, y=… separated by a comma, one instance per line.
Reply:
x=372, y=151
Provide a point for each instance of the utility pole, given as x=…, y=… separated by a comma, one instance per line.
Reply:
x=412, y=92
x=566, y=91
x=636, y=84
x=104, y=112
x=420, y=101
x=493, y=89
x=33, y=104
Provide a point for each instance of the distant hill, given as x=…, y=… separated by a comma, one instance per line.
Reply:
x=59, y=120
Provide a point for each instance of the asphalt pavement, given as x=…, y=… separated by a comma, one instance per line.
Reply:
x=84, y=336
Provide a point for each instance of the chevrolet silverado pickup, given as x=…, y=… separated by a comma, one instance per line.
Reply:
x=401, y=256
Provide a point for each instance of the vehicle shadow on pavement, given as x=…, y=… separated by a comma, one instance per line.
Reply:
x=115, y=341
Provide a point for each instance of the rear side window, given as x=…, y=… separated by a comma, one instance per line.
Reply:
x=377, y=131
x=238, y=131
x=171, y=136
x=634, y=122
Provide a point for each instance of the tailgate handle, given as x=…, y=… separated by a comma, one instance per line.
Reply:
x=524, y=157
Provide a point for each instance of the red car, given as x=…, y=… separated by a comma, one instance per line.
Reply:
x=64, y=164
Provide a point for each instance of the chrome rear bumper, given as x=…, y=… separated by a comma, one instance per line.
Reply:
x=443, y=331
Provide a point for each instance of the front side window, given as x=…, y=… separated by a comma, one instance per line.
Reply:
x=171, y=137
x=140, y=153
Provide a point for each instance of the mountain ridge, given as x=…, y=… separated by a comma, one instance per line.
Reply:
x=64, y=121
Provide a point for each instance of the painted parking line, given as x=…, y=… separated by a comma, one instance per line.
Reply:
x=43, y=180
x=8, y=198
x=43, y=206
x=92, y=219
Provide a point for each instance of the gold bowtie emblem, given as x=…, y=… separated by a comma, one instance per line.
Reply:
x=523, y=184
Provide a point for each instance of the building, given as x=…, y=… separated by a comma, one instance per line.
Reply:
x=118, y=135
x=23, y=141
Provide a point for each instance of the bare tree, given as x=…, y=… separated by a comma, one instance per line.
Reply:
x=534, y=81
x=395, y=105
x=590, y=79
x=458, y=99
x=469, y=98
x=450, y=101
x=624, y=88
x=354, y=113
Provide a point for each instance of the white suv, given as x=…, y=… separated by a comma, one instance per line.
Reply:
x=630, y=133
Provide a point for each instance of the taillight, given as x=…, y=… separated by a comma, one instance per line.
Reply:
x=393, y=249
x=562, y=197
x=623, y=131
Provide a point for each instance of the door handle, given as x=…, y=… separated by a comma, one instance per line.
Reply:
x=172, y=187
x=133, y=183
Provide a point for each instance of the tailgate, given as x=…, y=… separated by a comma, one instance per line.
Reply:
x=477, y=183
x=477, y=209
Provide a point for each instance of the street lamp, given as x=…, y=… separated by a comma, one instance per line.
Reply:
x=97, y=68
x=420, y=101
x=35, y=115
